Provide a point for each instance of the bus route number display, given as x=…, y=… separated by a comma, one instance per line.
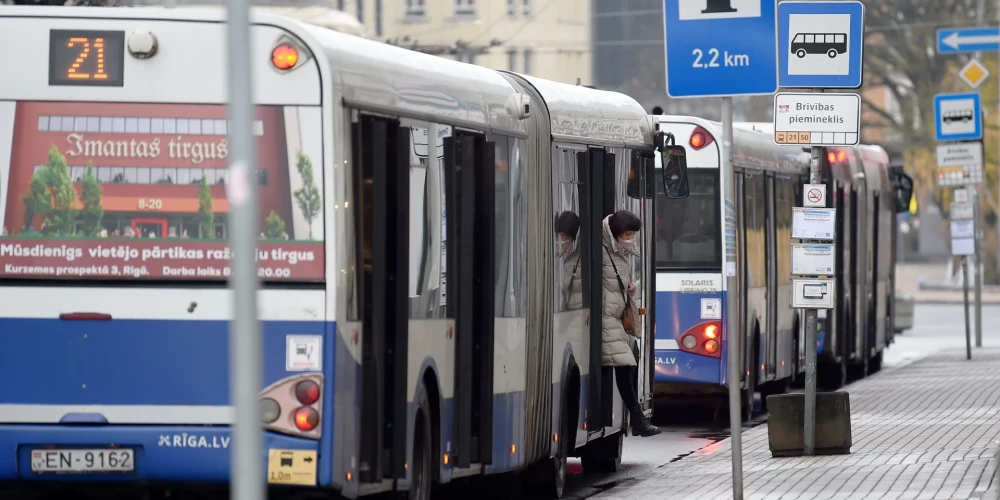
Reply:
x=85, y=58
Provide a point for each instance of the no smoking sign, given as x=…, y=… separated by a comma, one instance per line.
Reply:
x=814, y=196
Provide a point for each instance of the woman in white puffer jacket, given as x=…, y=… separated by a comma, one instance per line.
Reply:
x=619, y=242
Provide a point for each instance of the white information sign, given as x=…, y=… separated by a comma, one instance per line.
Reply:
x=813, y=293
x=813, y=223
x=963, y=246
x=814, y=196
x=960, y=164
x=961, y=196
x=303, y=353
x=961, y=211
x=962, y=229
x=812, y=119
x=813, y=259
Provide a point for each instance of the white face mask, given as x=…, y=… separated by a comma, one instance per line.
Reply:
x=564, y=247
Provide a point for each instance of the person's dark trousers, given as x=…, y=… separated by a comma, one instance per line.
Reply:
x=640, y=426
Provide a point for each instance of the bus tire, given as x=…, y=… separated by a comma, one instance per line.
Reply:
x=875, y=365
x=422, y=473
x=801, y=53
x=605, y=456
x=832, y=53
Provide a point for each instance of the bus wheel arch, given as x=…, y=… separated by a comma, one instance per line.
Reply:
x=430, y=384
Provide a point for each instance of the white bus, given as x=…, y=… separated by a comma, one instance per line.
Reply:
x=413, y=328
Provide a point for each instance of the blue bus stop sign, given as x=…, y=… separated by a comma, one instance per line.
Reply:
x=821, y=44
x=718, y=48
x=958, y=117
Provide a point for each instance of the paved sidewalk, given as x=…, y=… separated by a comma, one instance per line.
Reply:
x=929, y=430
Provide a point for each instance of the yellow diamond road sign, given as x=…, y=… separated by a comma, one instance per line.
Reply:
x=974, y=73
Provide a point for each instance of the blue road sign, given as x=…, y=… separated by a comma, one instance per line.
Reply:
x=958, y=117
x=721, y=47
x=820, y=44
x=961, y=40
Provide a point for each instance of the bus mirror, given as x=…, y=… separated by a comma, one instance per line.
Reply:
x=904, y=191
x=675, y=181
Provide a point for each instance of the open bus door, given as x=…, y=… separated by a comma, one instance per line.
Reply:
x=642, y=187
x=382, y=197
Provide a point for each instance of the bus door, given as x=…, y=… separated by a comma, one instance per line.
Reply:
x=595, y=168
x=381, y=193
x=470, y=178
x=641, y=187
x=771, y=295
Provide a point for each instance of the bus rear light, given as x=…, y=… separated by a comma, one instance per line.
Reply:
x=85, y=317
x=284, y=57
x=270, y=410
x=703, y=339
x=712, y=346
x=307, y=392
x=711, y=332
x=700, y=138
x=689, y=342
x=306, y=419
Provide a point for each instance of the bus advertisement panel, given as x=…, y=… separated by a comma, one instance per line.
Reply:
x=126, y=191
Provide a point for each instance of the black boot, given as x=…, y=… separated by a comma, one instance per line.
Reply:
x=641, y=426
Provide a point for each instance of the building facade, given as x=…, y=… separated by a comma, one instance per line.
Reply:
x=549, y=39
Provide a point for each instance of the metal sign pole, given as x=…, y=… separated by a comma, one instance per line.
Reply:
x=245, y=379
x=965, y=294
x=734, y=335
x=809, y=413
x=977, y=268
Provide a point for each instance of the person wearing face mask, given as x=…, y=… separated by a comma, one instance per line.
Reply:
x=620, y=310
x=567, y=227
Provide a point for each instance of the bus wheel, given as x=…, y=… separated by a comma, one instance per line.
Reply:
x=801, y=53
x=605, y=454
x=832, y=53
x=422, y=474
x=875, y=365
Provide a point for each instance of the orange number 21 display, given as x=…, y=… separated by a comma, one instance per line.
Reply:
x=76, y=71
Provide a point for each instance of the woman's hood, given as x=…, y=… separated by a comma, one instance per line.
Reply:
x=611, y=243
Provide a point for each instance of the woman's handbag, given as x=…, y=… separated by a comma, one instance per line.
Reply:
x=627, y=317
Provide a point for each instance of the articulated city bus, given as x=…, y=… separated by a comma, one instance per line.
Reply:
x=704, y=239
x=413, y=320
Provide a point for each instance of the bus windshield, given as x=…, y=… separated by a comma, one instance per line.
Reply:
x=688, y=235
x=113, y=191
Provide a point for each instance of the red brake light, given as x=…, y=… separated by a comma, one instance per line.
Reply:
x=700, y=138
x=306, y=419
x=307, y=392
x=711, y=332
x=284, y=57
x=836, y=156
x=712, y=346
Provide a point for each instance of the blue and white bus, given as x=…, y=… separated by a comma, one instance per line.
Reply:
x=704, y=239
x=413, y=323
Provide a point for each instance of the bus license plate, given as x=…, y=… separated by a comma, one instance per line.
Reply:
x=82, y=461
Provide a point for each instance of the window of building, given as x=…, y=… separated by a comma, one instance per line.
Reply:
x=415, y=8
x=465, y=7
x=361, y=11
x=378, y=17
x=512, y=8
x=512, y=60
x=527, y=8
x=528, y=60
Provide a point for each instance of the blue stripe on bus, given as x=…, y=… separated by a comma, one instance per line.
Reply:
x=133, y=362
x=208, y=461
x=676, y=312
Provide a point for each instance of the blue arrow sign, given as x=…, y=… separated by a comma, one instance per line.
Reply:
x=721, y=47
x=821, y=44
x=962, y=40
x=958, y=117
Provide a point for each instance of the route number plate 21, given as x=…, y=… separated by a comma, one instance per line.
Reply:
x=83, y=461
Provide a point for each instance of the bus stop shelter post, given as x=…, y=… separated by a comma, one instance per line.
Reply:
x=245, y=379
x=734, y=332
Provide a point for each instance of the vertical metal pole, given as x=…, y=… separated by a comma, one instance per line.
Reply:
x=734, y=329
x=977, y=268
x=965, y=293
x=245, y=350
x=809, y=415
